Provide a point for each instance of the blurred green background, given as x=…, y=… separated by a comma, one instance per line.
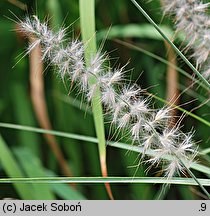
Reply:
x=116, y=21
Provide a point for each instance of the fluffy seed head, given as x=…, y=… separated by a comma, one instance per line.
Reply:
x=129, y=108
x=192, y=19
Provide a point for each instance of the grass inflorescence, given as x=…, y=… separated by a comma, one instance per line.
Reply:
x=139, y=120
x=126, y=103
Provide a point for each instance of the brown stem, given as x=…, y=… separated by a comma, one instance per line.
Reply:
x=105, y=174
x=40, y=107
x=172, y=80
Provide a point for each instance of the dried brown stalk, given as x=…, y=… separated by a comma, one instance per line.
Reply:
x=40, y=107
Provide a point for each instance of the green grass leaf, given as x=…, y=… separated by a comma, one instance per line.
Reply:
x=200, y=76
x=87, y=20
x=134, y=30
x=21, y=104
x=120, y=145
x=64, y=191
x=33, y=168
x=160, y=59
x=96, y=180
x=12, y=169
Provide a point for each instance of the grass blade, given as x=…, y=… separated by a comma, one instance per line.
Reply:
x=21, y=104
x=117, y=180
x=33, y=168
x=63, y=190
x=12, y=169
x=152, y=55
x=200, y=76
x=195, y=166
x=87, y=18
x=207, y=123
x=134, y=30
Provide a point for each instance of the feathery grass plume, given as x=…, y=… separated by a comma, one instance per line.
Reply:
x=129, y=108
x=191, y=19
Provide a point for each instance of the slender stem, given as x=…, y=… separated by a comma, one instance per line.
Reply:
x=196, y=180
x=172, y=45
x=87, y=18
x=152, y=55
x=88, y=36
x=195, y=166
x=181, y=109
x=100, y=180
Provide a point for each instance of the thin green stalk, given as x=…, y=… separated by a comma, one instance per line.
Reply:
x=12, y=169
x=183, y=110
x=87, y=20
x=131, y=46
x=96, y=180
x=195, y=166
x=196, y=180
x=172, y=44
